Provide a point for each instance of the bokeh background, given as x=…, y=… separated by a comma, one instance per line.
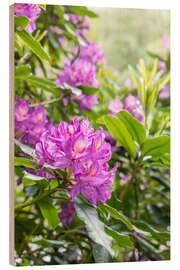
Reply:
x=126, y=35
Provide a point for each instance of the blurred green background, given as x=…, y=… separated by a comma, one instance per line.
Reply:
x=126, y=35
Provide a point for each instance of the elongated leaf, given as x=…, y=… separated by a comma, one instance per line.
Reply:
x=95, y=227
x=21, y=161
x=42, y=83
x=33, y=45
x=49, y=212
x=120, y=133
x=116, y=214
x=156, y=147
x=25, y=148
x=60, y=12
x=135, y=128
x=21, y=21
x=22, y=71
x=88, y=90
x=101, y=255
x=82, y=11
x=122, y=239
x=31, y=179
x=42, y=6
x=146, y=244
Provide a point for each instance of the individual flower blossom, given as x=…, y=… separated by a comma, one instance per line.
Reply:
x=166, y=42
x=82, y=24
x=124, y=178
x=86, y=102
x=81, y=72
x=134, y=106
x=67, y=213
x=92, y=52
x=31, y=11
x=56, y=30
x=31, y=122
x=129, y=84
x=115, y=106
x=78, y=147
x=162, y=66
x=164, y=93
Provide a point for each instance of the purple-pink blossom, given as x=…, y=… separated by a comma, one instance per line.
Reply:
x=31, y=11
x=82, y=24
x=162, y=66
x=115, y=106
x=78, y=147
x=67, y=212
x=164, y=93
x=81, y=72
x=31, y=122
x=166, y=42
x=92, y=52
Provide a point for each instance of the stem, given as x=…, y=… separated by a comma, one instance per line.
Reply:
x=125, y=191
x=41, y=196
x=45, y=102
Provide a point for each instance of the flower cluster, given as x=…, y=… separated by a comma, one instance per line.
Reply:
x=84, y=151
x=31, y=11
x=31, y=122
x=82, y=24
x=132, y=104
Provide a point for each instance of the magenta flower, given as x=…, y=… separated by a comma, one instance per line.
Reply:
x=31, y=11
x=134, y=106
x=82, y=24
x=81, y=72
x=93, y=53
x=86, y=102
x=32, y=122
x=67, y=213
x=162, y=66
x=78, y=147
x=164, y=93
x=115, y=106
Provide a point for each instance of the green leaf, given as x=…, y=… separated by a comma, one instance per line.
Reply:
x=156, y=147
x=49, y=212
x=95, y=227
x=33, y=45
x=146, y=244
x=120, y=133
x=135, y=128
x=25, y=148
x=22, y=71
x=122, y=239
x=88, y=90
x=116, y=214
x=42, y=6
x=21, y=21
x=101, y=255
x=166, y=159
x=60, y=12
x=47, y=242
x=44, y=84
x=21, y=161
x=82, y=11
x=31, y=179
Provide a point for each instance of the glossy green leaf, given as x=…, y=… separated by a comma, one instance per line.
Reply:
x=33, y=45
x=44, y=84
x=49, y=212
x=119, y=131
x=122, y=239
x=100, y=254
x=156, y=147
x=88, y=90
x=21, y=71
x=135, y=128
x=21, y=161
x=95, y=227
x=42, y=6
x=21, y=21
x=117, y=215
x=25, y=148
x=82, y=11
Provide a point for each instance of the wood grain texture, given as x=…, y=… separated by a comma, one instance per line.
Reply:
x=11, y=135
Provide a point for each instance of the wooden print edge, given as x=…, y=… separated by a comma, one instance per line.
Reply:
x=11, y=135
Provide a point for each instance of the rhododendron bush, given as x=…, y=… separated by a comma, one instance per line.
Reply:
x=92, y=156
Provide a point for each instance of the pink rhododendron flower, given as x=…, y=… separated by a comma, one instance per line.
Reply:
x=164, y=93
x=162, y=66
x=67, y=212
x=32, y=122
x=86, y=102
x=31, y=11
x=134, y=106
x=83, y=23
x=78, y=147
x=115, y=106
x=81, y=72
x=93, y=52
